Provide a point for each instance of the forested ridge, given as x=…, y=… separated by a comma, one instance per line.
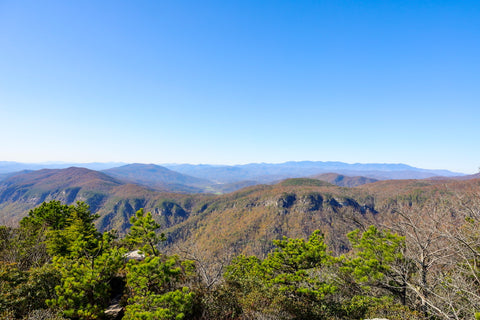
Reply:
x=301, y=249
x=117, y=193
x=416, y=259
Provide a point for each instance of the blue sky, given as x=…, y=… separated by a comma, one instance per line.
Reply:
x=231, y=82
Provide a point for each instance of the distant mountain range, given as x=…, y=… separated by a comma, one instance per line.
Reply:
x=11, y=166
x=182, y=202
x=159, y=178
x=267, y=172
x=222, y=178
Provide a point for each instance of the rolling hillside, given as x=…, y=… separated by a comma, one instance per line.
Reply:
x=159, y=178
x=243, y=221
x=247, y=220
x=342, y=180
x=114, y=200
x=22, y=192
x=465, y=177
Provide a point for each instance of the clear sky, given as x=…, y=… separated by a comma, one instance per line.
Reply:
x=231, y=82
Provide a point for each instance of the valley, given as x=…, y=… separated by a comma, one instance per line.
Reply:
x=240, y=214
x=311, y=245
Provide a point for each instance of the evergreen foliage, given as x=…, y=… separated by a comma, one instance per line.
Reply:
x=85, y=287
x=142, y=234
x=154, y=292
x=56, y=265
x=374, y=253
x=153, y=283
x=290, y=281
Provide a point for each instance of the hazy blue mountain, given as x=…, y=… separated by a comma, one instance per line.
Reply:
x=464, y=177
x=268, y=172
x=158, y=177
x=261, y=172
x=11, y=166
x=115, y=200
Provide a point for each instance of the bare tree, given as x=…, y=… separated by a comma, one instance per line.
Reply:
x=429, y=249
x=463, y=284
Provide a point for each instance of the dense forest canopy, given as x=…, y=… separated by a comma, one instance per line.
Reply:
x=420, y=261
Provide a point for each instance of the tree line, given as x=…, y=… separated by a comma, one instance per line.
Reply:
x=421, y=263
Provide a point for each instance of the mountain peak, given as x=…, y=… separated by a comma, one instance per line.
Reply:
x=158, y=177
